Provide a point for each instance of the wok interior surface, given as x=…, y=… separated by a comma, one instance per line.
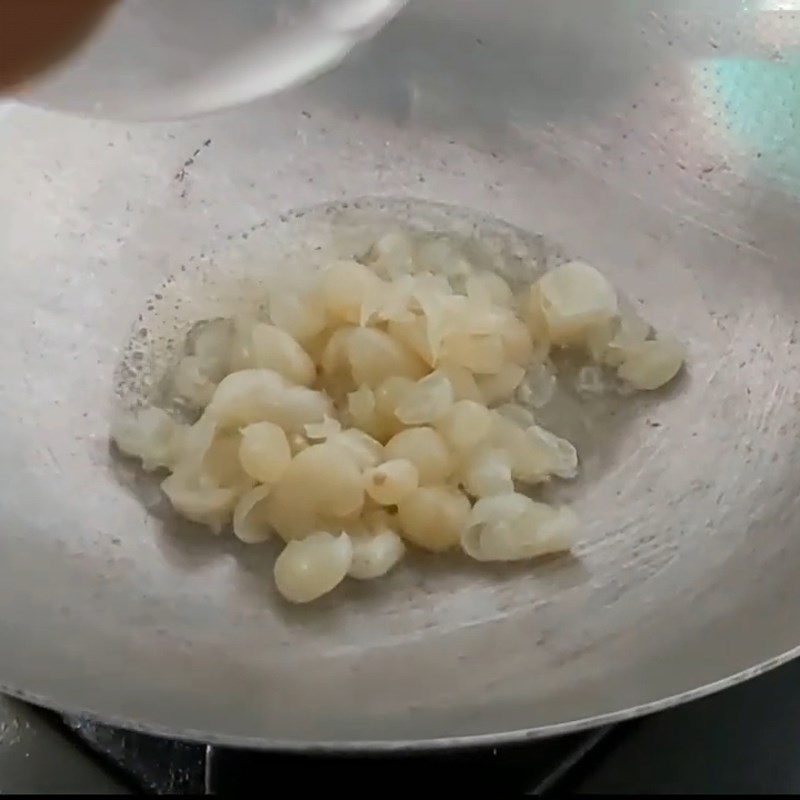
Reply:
x=657, y=140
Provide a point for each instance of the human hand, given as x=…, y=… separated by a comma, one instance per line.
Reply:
x=35, y=34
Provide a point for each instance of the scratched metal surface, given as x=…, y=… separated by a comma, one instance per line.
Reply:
x=656, y=139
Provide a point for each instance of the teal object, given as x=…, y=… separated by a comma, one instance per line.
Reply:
x=759, y=103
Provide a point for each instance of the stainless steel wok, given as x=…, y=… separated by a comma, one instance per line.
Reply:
x=657, y=139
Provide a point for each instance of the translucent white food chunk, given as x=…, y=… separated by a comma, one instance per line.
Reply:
x=391, y=303
x=513, y=527
x=465, y=387
x=631, y=332
x=249, y=516
x=334, y=361
x=597, y=339
x=427, y=401
x=363, y=413
x=360, y=412
x=391, y=393
x=302, y=316
x=488, y=288
x=345, y=286
x=528, y=462
x=465, y=316
x=297, y=443
x=480, y=353
x=241, y=355
x=322, y=480
x=149, y=434
x=221, y=465
x=501, y=386
x=433, y=297
x=375, y=356
x=412, y=331
x=191, y=383
x=609, y=342
x=538, y=386
x=264, y=451
x=652, y=364
x=393, y=254
x=428, y=285
x=311, y=567
x=258, y=395
x=353, y=240
x=211, y=344
x=575, y=296
x=361, y=404
x=275, y=349
x=315, y=348
x=332, y=478
x=517, y=343
x=488, y=472
x=195, y=442
x=288, y=511
x=536, y=321
x=465, y=425
x=388, y=397
x=433, y=517
x=519, y=415
x=553, y=455
x=377, y=298
x=441, y=256
x=320, y=431
x=203, y=504
x=375, y=554
x=365, y=451
x=390, y=482
x=426, y=449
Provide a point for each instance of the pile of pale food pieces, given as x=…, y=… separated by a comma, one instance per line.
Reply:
x=386, y=406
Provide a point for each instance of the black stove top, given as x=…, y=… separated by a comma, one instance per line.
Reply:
x=745, y=739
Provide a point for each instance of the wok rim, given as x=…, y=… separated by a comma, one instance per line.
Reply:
x=392, y=746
